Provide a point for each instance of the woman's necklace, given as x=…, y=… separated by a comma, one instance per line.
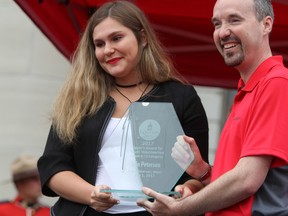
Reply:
x=127, y=97
x=128, y=86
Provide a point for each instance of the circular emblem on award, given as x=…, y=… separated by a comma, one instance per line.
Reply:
x=149, y=129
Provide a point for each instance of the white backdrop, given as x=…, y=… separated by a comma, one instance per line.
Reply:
x=31, y=72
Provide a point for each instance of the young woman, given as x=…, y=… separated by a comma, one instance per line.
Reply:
x=119, y=60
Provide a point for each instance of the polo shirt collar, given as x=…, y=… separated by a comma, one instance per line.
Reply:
x=260, y=72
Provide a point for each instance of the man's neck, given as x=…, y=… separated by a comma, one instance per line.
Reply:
x=247, y=69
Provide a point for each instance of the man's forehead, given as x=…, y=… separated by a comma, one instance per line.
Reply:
x=228, y=8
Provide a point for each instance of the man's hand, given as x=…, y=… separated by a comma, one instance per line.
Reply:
x=163, y=205
x=180, y=153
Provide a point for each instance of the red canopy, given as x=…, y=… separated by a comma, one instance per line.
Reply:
x=184, y=27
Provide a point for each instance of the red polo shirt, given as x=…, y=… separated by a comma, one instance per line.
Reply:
x=258, y=125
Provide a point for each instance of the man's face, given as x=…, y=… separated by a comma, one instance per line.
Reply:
x=30, y=188
x=238, y=34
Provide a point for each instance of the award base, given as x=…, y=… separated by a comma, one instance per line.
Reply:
x=137, y=194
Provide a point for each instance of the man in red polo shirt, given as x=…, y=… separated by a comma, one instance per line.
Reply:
x=26, y=179
x=250, y=172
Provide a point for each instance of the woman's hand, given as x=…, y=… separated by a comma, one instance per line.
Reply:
x=101, y=201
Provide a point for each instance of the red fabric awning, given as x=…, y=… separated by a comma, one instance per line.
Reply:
x=184, y=27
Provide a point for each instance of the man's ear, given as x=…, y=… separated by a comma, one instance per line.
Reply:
x=268, y=24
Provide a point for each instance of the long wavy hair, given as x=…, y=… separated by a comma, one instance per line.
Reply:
x=88, y=85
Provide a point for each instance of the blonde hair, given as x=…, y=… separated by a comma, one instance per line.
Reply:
x=88, y=85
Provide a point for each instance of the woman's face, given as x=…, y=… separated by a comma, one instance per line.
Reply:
x=116, y=49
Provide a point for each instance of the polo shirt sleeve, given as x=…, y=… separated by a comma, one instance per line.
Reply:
x=267, y=128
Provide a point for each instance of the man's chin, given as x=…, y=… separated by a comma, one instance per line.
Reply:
x=233, y=62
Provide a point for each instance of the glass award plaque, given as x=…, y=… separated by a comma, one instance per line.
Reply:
x=138, y=152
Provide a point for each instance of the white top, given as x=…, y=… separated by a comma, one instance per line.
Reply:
x=103, y=177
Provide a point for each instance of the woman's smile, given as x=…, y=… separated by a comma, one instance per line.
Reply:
x=113, y=60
